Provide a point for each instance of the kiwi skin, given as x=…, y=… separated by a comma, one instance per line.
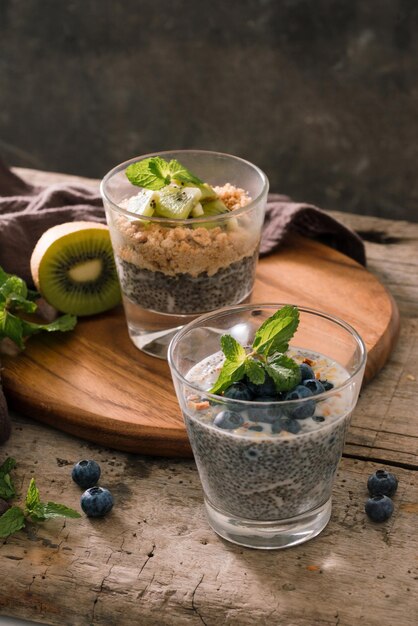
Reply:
x=73, y=268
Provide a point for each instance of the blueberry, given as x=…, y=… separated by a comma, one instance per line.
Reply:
x=298, y=392
x=318, y=418
x=379, y=508
x=306, y=371
x=96, y=501
x=304, y=409
x=256, y=428
x=286, y=423
x=382, y=483
x=267, y=388
x=266, y=414
x=239, y=391
x=228, y=420
x=327, y=385
x=314, y=385
x=86, y=473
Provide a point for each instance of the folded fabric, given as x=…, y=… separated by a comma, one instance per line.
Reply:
x=26, y=211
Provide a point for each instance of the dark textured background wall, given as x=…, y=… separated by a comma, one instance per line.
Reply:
x=322, y=94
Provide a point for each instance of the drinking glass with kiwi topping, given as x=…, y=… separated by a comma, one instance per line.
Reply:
x=185, y=229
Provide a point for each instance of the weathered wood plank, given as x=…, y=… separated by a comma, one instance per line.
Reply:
x=154, y=560
x=385, y=422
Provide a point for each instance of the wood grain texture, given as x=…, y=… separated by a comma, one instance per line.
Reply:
x=95, y=384
x=155, y=562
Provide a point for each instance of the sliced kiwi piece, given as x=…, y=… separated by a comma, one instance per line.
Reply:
x=73, y=268
x=144, y=203
x=177, y=202
x=197, y=210
x=208, y=193
x=214, y=207
x=211, y=209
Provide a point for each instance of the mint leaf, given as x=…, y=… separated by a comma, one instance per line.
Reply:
x=13, y=285
x=7, y=489
x=33, y=295
x=233, y=350
x=7, y=466
x=231, y=372
x=20, y=303
x=64, y=323
x=3, y=276
x=51, y=509
x=11, y=521
x=284, y=371
x=11, y=326
x=15, y=297
x=233, y=368
x=151, y=173
x=32, y=497
x=255, y=371
x=180, y=173
x=275, y=333
x=155, y=173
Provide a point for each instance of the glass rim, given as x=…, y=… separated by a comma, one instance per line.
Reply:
x=193, y=220
x=248, y=307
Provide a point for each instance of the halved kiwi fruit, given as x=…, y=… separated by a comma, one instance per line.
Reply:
x=73, y=268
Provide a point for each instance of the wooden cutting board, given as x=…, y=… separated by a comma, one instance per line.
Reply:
x=94, y=383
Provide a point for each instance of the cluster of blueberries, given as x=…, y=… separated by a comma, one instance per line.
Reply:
x=308, y=387
x=95, y=501
x=381, y=486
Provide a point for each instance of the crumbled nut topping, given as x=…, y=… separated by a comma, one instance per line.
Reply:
x=184, y=249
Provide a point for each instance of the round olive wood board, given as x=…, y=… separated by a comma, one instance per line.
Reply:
x=94, y=383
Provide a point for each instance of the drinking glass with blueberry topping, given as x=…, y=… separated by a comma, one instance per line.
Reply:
x=267, y=392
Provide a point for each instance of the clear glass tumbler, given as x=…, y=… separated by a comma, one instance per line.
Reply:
x=268, y=482
x=173, y=270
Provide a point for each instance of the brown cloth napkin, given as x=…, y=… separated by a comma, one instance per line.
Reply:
x=26, y=211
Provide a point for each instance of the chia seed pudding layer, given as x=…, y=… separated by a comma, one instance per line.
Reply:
x=261, y=475
x=185, y=269
x=183, y=293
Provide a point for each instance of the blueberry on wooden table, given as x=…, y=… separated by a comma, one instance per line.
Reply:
x=382, y=483
x=86, y=473
x=379, y=508
x=96, y=501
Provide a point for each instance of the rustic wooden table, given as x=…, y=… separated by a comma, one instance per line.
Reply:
x=155, y=561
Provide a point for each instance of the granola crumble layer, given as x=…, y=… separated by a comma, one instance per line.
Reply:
x=187, y=250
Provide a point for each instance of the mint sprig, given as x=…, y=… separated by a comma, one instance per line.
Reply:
x=7, y=489
x=155, y=173
x=15, y=518
x=17, y=300
x=266, y=355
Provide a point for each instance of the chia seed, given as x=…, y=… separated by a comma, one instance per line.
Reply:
x=185, y=294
